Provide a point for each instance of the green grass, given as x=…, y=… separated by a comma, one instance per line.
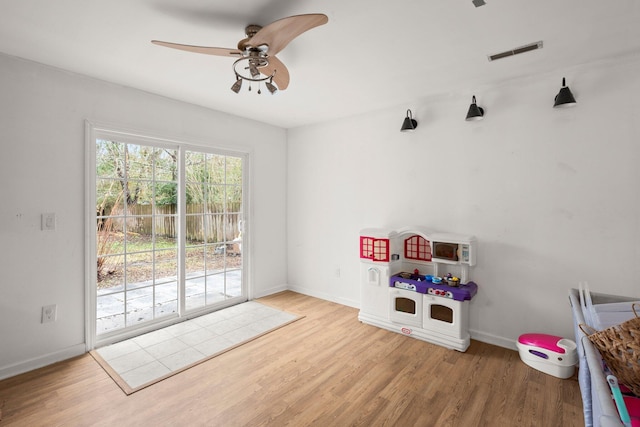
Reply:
x=138, y=243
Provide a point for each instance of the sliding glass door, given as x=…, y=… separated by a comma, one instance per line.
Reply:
x=166, y=238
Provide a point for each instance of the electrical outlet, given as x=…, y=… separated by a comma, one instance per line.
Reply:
x=49, y=313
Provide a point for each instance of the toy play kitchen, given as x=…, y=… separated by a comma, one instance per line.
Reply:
x=416, y=282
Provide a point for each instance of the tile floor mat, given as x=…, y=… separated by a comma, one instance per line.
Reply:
x=139, y=362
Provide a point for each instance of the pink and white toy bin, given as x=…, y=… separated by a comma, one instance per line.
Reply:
x=550, y=354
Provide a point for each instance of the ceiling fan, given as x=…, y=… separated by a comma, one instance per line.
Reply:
x=257, y=61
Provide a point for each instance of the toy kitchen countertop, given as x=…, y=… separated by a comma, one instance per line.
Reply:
x=426, y=285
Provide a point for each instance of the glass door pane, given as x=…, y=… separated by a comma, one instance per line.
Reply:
x=213, y=261
x=137, y=258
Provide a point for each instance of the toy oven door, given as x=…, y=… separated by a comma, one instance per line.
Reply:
x=444, y=315
x=405, y=307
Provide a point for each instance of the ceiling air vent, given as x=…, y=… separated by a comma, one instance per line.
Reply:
x=516, y=51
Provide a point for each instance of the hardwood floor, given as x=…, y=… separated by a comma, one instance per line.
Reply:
x=327, y=369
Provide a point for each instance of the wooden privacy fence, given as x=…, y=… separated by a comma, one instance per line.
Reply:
x=203, y=221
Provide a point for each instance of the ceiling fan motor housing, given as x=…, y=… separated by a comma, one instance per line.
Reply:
x=250, y=31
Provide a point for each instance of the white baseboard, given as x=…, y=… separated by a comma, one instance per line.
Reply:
x=493, y=339
x=41, y=361
x=270, y=291
x=324, y=296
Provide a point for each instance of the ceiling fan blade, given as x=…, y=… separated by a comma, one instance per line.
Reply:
x=281, y=78
x=219, y=51
x=278, y=34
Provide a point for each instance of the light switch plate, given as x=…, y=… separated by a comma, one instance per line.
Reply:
x=48, y=221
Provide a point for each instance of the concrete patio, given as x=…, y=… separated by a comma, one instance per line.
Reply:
x=144, y=301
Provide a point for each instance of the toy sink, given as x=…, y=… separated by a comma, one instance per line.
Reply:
x=550, y=354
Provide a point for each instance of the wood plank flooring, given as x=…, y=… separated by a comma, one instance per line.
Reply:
x=327, y=369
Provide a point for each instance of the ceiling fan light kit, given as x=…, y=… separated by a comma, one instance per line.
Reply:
x=254, y=64
x=257, y=60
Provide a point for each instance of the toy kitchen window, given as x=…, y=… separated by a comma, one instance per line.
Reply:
x=418, y=248
x=374, y=249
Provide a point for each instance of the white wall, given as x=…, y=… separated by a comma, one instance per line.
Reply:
x=42, y=113
x=552, y=195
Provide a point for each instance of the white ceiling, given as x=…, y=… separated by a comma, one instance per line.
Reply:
x=372, y=54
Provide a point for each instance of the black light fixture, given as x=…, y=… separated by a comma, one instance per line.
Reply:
x=564, y=98
x=409, y=124
x=475, y=112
